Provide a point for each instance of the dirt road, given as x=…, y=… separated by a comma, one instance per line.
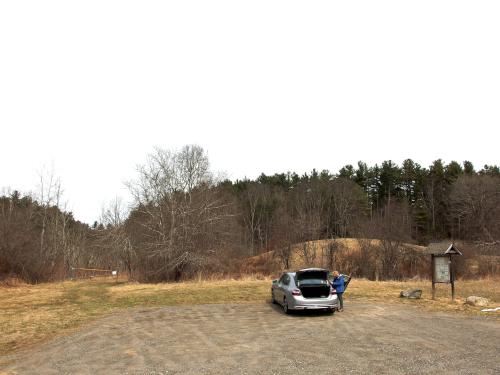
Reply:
x=258, y=339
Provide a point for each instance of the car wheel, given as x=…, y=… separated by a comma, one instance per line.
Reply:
x=273, y=300
x=286, y=310
x=330, y=311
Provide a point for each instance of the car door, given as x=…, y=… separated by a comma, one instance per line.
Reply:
x=278, y=290
x=285, y=285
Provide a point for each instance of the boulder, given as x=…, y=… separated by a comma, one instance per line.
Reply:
x=411, y=293
x=477, y=301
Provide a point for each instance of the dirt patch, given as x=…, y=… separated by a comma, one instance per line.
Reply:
x=260, y=339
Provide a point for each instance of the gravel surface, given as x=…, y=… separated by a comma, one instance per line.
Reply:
x=367, y=338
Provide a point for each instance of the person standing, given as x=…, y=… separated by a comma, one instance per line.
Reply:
x=338, y=285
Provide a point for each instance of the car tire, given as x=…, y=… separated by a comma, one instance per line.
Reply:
x=286, y=310
x=330, y=311
x=273, y=300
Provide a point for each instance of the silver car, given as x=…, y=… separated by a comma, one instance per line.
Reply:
x=306, y=289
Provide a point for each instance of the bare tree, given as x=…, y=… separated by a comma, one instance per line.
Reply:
x=112, y=240
x=38, y=241
x=258, y=204
x=176, y=215
x=347, y=205
x=331, y=252
x=309, y=204
x=475, y=207
x=49, y=195
x=284, y=236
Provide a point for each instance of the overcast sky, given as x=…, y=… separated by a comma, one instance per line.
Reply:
x=90, y=87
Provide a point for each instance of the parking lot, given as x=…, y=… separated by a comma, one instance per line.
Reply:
x=367, y=338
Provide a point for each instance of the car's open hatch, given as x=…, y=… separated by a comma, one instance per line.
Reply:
x=312, y=274
x=313, y=282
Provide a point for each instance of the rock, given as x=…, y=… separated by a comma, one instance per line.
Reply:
x=411, y=293
x=477, y=301
x=491, y=310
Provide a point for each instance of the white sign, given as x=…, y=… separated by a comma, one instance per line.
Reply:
x=114, y=273
x=442, y=270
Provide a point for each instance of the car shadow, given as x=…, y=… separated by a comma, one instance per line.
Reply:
x=298, y=313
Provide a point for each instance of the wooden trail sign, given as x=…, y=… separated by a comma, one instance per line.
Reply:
x=442, y=265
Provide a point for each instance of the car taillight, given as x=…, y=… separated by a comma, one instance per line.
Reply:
x=333, y=291
x=296, y=292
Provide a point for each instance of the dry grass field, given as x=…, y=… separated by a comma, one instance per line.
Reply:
x=388, y=291
x=30, y=314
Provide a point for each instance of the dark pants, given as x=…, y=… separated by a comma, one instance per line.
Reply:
x=340, y=296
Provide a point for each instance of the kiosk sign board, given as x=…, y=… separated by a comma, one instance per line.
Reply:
x=442, y=267
x=442, y=272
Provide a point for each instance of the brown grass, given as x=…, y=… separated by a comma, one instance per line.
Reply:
x=388, y=291
x=30, y=314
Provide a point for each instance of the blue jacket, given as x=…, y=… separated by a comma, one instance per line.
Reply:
x=338, y=284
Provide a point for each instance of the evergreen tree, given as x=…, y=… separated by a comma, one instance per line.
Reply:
x=346, y=171
x=469, y=168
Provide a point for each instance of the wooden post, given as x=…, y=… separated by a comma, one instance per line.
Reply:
x=433, y=271
x=452, y=280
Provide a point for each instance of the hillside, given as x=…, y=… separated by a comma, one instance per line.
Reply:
x=371, y=258
x=342, y=252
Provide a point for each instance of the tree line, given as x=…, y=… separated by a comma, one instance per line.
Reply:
x=184, y=220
